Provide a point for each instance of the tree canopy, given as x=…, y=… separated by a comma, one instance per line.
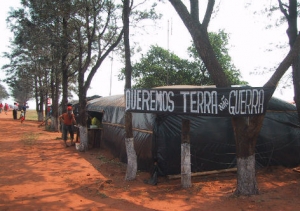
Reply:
x=62, y=44
x=3, y=93
x=160, y=67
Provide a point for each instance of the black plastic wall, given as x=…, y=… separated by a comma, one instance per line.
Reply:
x=212, y=140
x=113, y=133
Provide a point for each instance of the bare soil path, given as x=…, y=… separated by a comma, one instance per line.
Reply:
x=39, y=173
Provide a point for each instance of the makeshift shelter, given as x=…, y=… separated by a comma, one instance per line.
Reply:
x=158, y=137
x=75, y=105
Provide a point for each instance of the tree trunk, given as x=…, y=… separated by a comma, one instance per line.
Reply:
x=185, y=154
x=246, y=180
x=131, y=159
x=40, y=115
x=36, y=96
x=186, y=165
x=82, y=112
x=292, y=32
x=65, y=52
x=54, y=123
x=129, y=140
x=246, y=131
x=55, y=113
x=131, y=154
x=82, y=124
x=296, y=82
x=55, y=90
x=83, y=138
x=41, y=107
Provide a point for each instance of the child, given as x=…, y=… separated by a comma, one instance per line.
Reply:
x=1, y=107
x=22, y=116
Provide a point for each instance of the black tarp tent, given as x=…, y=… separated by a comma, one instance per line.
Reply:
x=158, y=137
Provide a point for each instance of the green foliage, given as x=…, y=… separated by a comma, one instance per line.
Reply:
x=31, y=115
x=21, y=86
x=219, y=42
x=58, y=46
x=3, y=93
x=160, y=67
x=30, y=56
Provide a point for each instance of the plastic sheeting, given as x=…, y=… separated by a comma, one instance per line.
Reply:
x=157, y=138
x=113, y=136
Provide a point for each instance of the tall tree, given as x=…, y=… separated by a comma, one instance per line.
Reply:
x=129, y=140
x=97, y=33
x=22, y=90
x=35, y=35
x=3, y=92
x=246, y=129
x=290, y=11
x=64, y=40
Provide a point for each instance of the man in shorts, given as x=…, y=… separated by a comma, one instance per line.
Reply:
x=68, y=119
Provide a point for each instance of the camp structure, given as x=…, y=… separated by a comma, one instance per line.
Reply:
x=157, y=137
x=75, y=105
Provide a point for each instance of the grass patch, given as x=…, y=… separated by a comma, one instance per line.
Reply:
x=31, y=115
x=103, y=159
x=29, y=139
x=102, y=195
x=113, y=161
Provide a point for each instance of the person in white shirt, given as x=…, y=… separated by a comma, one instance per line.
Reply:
x=15, y=111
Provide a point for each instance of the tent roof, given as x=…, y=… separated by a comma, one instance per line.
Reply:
x=276, y=104
x=99, y=103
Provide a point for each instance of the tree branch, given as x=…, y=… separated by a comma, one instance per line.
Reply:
x=209, y=10
x=194, y=4
x=283, y=10
x=285, y=64
x=184, y=15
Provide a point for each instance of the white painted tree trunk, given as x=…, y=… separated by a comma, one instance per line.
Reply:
x=131, y=159
x=40, y=116
x=186, y=165
x=83, y=138
x=54, y=124
x=246, y=180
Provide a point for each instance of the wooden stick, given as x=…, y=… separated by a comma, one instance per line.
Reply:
x=178, y=176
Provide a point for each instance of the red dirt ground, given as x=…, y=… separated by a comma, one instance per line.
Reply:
x=39, y=173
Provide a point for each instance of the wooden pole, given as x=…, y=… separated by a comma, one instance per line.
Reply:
x=185, y=154
x=203, y=173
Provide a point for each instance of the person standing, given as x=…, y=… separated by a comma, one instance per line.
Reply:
x=15, y=111
x=68, y=119
x=22, y=116
x=6, y=108
x=24, y=109
x=1, y=107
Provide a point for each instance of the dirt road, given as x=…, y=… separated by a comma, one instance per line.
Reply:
x=39, y=173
